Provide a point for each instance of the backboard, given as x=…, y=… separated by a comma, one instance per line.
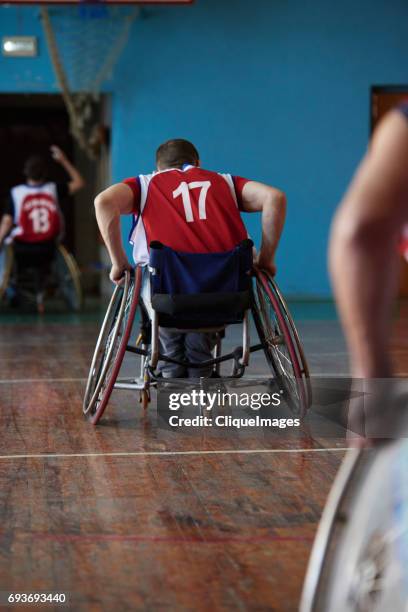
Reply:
x=111, y=2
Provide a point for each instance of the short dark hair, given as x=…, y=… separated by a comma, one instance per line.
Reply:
x=175, y=153
x=35, y=168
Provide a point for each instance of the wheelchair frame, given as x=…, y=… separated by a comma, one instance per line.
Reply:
x=112, y=344
x=66, y=272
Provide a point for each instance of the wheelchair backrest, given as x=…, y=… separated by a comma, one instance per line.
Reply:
x=200, y=288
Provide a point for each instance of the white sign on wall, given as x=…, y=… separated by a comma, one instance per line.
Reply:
x=19, y=46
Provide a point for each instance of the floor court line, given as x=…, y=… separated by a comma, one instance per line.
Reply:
x=4, y=381
x=250, y=377
x=11, y=381
x=113, y=537
x=271, y=451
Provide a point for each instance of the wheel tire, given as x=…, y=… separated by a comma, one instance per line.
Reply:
x=361, y=536
x=111, y=346
x=68, y=276
x=304, y=368
x=280, y=340
x=6, y=267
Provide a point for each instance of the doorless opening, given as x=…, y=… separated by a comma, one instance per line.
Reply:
x=30, y=124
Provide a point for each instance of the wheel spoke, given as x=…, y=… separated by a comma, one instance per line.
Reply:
x=68, y=277
x=111, y=346
x=274, y=330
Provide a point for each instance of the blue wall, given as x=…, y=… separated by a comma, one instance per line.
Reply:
x=275, y=90
x=19, y=74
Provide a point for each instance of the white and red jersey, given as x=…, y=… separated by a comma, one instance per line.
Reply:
x=190, y=210
x=36, y=212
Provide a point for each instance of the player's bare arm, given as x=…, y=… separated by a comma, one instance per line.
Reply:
x=258, y=197
x=363, y=249
x=5, y=226
x=76, y=181
x=110, y=204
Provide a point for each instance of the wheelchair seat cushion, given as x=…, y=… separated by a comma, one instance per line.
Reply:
x=200, y=288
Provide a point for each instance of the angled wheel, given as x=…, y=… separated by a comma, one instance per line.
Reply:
x=111, y=345
x=68, y=276
x=304, y=368
x=281, y=343
x=6, y=267
x=359, y=558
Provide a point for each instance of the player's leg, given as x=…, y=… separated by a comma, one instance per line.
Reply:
x=364, y=242
x=172, y=345
x=198, y=348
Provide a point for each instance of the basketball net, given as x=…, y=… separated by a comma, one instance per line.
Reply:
x=84, y=44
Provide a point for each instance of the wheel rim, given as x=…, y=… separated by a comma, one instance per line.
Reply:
x=105, y=346
x=279, y=349
x=112, y=345
x=365, y=568
x=6, y=265
x=68, y=276
x=99, y=353
x=302, y=358
x=116, y=342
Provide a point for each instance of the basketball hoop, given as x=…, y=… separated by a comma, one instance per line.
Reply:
x=84, y=43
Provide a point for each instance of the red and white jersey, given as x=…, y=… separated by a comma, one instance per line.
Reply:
x=37, y=215
x=190, y=210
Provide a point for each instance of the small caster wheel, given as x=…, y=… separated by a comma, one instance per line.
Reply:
x=144, y=398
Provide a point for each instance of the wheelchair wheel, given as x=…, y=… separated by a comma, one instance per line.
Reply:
x=111, y=346
x=6, y=267
x=359, y=558
x=281, y=344
x=68, y=277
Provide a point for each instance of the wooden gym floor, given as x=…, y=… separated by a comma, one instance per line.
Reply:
x=126, y=516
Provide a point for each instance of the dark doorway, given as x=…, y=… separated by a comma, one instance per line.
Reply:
x=384, y=99
x=31, y=123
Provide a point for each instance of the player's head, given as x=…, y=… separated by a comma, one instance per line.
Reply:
x=175, y=153
x=35, y=168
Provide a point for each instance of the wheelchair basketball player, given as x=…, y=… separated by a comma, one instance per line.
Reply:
x=364, y=246
x=188, y=209
x=33, y=221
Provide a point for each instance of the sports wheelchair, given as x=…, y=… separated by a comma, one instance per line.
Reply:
x=29, y=280
x=200, y=293
x=359, y=559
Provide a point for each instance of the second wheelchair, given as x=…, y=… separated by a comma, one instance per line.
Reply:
x=30, y=280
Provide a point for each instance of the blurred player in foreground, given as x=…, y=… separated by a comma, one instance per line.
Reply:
x=364, y=246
